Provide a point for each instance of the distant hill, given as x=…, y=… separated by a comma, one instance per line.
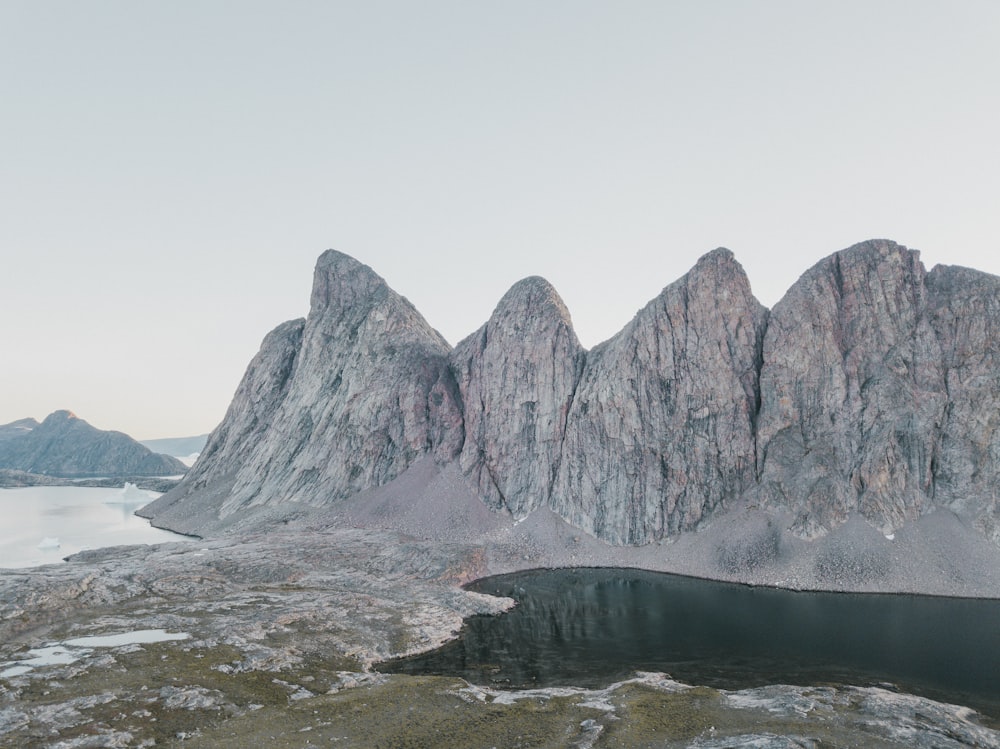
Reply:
x=179, y=447
x=17, y=428
x=66, y=446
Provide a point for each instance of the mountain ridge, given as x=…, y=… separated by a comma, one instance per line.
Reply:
x=835, y=403
x=65, y=446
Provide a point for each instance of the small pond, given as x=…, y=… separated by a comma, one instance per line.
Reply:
x=590, y=627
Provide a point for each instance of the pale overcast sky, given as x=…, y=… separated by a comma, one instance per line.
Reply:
x=169, y=171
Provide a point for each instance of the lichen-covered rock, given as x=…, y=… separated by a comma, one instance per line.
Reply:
x=517, y=375
x=660, y=433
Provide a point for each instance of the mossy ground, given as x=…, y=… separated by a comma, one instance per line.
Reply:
x=240, y=709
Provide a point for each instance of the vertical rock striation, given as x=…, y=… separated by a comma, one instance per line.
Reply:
x=246, y=425
x=852, y=390
x=965, y=316
x=369, y=393
x=343, y=401
x=517, y=375
x=660, y=433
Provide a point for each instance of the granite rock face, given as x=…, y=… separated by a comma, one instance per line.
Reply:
x=66, y=446
x=871, y=390
x=247, y=423
x=346, y=400
x=852, y=392
x=517, y=375
x=965, y=315
x=660, y=434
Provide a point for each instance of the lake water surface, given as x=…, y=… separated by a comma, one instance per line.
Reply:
x=44, y=524
x=589, y=627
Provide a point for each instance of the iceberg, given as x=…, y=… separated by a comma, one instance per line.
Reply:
x=130, y=494
x=49, y=543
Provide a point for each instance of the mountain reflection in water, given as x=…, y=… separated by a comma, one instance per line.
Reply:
x=589, y=627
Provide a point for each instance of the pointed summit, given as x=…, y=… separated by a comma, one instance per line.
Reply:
x=533, y=297
x=355, y=396
x=59, y=417
x=517, y=375
x=342, y=283
x=852, y=374
x=660, y=434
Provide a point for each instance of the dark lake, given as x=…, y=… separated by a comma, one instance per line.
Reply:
x=590, y=627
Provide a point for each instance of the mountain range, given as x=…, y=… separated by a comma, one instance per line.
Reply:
x=870, y=391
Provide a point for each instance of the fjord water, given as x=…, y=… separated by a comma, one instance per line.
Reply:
x=33, y=519
x=589, y=627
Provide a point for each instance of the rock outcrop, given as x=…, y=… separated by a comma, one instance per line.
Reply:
x=517, y=375
x=64, y=445
x=661, y=430
x=965, y=315
x=870, y=391
x=852, y=392
x=345, y=400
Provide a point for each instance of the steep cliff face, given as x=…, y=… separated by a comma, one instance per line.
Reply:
x=660, y=433
x=852, y=392
x=369, y=392
x=965, y=315
x=197, y=500
x=341, y=402
x=65, y=445
x=517, y=375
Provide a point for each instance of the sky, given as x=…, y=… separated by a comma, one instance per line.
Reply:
x=170, y=171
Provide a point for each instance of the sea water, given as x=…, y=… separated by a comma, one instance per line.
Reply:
x=44, y=524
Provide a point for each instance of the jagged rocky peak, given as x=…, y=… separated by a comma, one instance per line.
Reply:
x=529, y=298
x=345, y=401
x=851, y=390
x=517, y=375
x=342, y=285
x=871, y=389
x=660, y=433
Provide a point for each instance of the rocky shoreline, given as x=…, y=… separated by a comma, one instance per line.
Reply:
x=286, y=629
x=10, y=479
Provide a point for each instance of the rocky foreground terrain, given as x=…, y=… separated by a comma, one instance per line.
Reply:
x=284, y=633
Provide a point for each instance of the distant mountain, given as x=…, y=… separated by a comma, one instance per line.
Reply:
x=67, y=446
x=17, y=428
x=179, y=447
